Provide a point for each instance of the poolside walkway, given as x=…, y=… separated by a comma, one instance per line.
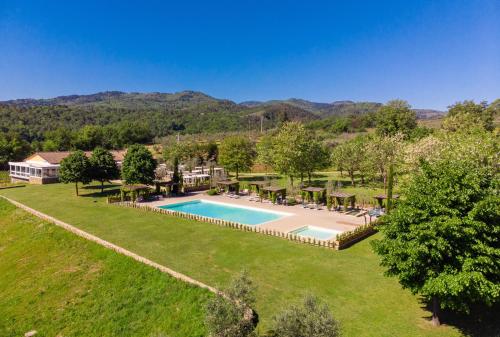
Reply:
x=299, y=216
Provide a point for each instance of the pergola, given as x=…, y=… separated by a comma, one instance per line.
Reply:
x=381, y=197
x=163, y=183
x=342, y=198
x=310, y=190
x=229, y=185
x=134, y=190
x=276, y=190
x=258, y=184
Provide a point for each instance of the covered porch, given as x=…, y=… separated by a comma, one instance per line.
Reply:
x=32, y=172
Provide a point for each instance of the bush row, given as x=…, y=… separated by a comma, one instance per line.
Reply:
x=346, y=239
x=289, y=236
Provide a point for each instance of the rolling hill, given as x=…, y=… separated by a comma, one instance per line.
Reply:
x=187, y=112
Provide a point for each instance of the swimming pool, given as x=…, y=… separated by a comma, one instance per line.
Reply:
x=316, y=232
x=228, y=212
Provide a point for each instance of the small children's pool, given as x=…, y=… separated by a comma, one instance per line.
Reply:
x=228, y=212
x=316, y=232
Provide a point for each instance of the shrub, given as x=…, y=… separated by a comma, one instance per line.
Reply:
x=291, y=201
x=212, y=191
x=312, y=319
x=329, y=203
x=228, y=316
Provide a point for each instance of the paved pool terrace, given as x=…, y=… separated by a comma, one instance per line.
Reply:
x=298, y=218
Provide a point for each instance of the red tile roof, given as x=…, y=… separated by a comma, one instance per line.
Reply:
x=57, y=156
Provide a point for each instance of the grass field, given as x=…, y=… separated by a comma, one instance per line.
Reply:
x=61, y=285
x=350, y=281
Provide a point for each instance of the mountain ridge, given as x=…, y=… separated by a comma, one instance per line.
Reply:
x=155, y=99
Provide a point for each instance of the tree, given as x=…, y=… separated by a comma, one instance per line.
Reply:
x=312, y=319
x=468, y=114
x=237, y=154
x=75, y=168
x=382, y=152
x=61, y=139
x=441, y=241
x=103, y=166
x=350, y=155
x=228, y=315
x=265, y=151
x=394, y=117
x=12, y=148
x=289, y=150
x=316, y=158
x=91, y=136
x=138, y=165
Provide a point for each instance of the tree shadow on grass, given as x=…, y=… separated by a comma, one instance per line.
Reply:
x=482, y=321
x=260, y=178
x=108, y=190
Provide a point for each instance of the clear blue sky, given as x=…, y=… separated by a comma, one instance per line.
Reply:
x=431, y=53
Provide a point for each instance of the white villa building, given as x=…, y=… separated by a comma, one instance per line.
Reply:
x=43, y=167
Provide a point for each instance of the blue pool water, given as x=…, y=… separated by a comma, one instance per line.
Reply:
x=227, y=212
x=316, y=232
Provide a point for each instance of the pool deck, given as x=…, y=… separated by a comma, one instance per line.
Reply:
x=299, y=216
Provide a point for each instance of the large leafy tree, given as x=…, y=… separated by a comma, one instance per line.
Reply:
x=394, y=117
x=312, y=319
x=138, y=165
x=103, y=166
x=290, y=150
x=442, y=241
x=317, y=158
x=265, y=151
x=236, y=153
x=75, y=168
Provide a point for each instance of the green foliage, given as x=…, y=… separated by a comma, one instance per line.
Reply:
x=212, y=191
x=228, y=316
x=103, y=166
x=396, y=117
x=12, y=148
x=350, y=155
x=138, y=165
x=294, y=151
x=442, y=239
x=329, y=203
x=236, y=153
x=176, y=176
x=265, y=151
x=467, y=114
x=312, y=319
x=75, y=168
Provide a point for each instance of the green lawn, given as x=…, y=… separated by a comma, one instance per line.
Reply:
x=61, y=285
x=351, y=281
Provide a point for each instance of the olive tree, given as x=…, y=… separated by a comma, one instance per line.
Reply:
x=311, y=319
x=230, y=314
